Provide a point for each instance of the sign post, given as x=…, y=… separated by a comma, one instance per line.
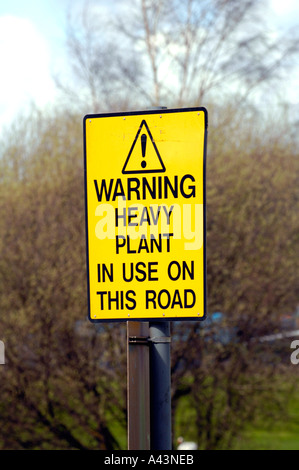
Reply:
x=160, y=380
x=145, y=226
x=138, y=386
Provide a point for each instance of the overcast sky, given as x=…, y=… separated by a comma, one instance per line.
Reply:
x=32, y=34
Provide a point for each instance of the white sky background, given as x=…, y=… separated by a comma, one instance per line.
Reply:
x=32, y=35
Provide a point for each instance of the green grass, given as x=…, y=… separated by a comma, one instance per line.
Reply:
x=281, y=435
x=269, y=440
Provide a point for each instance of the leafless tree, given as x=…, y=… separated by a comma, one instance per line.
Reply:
x=174, y=52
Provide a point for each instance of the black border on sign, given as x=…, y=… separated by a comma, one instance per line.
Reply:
x=142, y=113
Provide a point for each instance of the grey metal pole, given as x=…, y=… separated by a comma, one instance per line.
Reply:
x=160, y=385
x=160, y=380
x=138, y=387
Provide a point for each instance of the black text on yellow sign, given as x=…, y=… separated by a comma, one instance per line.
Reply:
x=145, y=214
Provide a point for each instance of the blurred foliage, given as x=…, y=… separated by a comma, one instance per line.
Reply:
x=57, y=385
x=252, y=220
x=64, y=382
x=252, y=274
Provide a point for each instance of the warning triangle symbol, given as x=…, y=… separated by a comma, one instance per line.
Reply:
x=144, y=156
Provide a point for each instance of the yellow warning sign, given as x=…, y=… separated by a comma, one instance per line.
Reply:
x=145, y=214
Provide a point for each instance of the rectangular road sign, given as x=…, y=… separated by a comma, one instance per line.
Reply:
x=145, y=214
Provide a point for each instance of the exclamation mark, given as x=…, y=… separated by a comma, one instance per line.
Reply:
x=143, y=149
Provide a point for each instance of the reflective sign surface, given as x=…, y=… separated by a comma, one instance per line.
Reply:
x=145, y=214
